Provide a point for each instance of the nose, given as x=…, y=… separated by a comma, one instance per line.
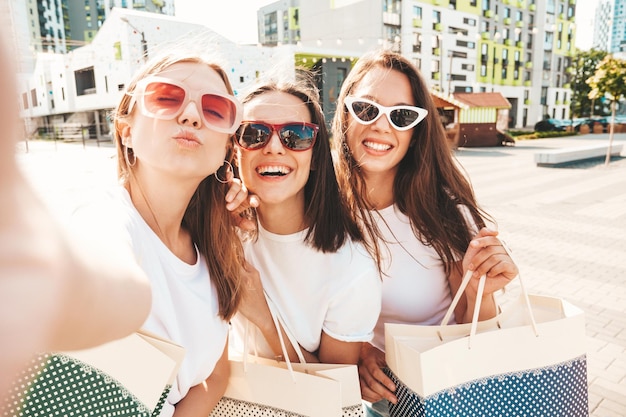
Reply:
x=382, y=124
x=274, y=145
x=190, y=115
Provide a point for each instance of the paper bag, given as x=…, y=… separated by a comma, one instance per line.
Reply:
x=131, y=376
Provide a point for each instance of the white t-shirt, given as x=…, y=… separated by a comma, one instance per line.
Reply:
x=415, y=286
x=184, y=301
x=314, y=292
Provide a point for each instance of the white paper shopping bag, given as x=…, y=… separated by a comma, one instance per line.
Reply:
x=128, y=377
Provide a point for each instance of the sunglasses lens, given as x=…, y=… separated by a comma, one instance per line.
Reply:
x=218, y=111
x=253, y=136
x=298, y=137
x=366, y=112
x=403, y=117
x=163, y=99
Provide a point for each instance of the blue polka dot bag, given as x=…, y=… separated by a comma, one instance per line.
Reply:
x=530, y=360
x=129, y=377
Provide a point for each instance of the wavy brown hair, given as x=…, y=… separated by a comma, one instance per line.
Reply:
x=326, y=211
x=429, y=186
x=209, y=223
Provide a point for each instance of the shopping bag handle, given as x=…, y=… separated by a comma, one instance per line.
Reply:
x=479, y=295
x=278, y=322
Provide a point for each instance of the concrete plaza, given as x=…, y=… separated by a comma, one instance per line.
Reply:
x=566, y=227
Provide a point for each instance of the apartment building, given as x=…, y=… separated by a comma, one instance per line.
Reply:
x=520, y=48
x=610, y=29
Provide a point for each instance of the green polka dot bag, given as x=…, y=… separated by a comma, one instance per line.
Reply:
x=130, y=377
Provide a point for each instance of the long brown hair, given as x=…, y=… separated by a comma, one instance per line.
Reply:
x=330, y=222
x=209, y=223
x=429, y=187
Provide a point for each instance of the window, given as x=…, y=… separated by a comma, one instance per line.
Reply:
x=470, y=45
x=85, y=81
x=483, y=70
x=470, y=22
x=417, y=12
x=436, y=16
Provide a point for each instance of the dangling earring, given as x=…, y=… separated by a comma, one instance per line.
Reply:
x=128, y=159
x=229, y=167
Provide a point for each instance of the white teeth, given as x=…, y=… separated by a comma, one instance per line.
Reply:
x=377, y=146
x=273, y=170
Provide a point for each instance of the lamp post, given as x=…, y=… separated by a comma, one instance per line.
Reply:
x=144, y=43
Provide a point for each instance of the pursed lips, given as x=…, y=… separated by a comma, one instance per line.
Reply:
x=187, y=136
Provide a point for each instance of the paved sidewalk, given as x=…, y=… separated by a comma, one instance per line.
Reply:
x=567, y=230
x=566, y=227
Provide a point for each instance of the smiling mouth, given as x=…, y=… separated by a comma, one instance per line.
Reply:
x=376, y=146
x=273, y=171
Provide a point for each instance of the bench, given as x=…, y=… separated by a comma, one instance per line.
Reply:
x=562, y=156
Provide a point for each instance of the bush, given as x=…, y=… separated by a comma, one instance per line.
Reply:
x=543, y=135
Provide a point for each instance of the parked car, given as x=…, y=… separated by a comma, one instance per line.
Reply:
x=560, y=125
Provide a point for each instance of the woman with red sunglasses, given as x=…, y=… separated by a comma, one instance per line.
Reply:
x=395, y=165
x=172, y=214
x=313, y=265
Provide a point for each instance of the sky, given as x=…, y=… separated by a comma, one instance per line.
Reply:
x=236, y=19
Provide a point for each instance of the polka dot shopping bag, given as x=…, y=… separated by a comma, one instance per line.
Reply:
x=530, y=360
x=127, y=377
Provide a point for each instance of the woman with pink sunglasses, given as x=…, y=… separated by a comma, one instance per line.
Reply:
x=314, y=267
x=395, y=165
x=172, y=214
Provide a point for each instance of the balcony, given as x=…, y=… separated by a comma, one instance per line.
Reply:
x=528, y=83
x=519, y=44
x=437, y=27
x=437, y=51
x=436, y=75
x=508, y=42
x=527, y=101
x=485, y=35
x=529, y=65
x=507, y=20
x=533, y=7
x=417, y=23
x=488, y=13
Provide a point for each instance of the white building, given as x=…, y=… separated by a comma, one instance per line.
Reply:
x=84, y=85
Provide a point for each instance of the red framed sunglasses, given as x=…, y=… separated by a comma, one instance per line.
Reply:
x=294, y=136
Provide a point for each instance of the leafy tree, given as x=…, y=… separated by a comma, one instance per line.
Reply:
x=609, y=81
x=584, y=65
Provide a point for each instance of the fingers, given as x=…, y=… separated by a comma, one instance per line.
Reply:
x=376, y=386
x=487, y=256
x=237, y=193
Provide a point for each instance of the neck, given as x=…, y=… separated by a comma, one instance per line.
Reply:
x=379, y=188
x=162, y=204
x=282, y=219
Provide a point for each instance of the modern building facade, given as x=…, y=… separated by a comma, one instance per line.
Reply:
x=83, y=86
x=520, y=48
x=610, y=28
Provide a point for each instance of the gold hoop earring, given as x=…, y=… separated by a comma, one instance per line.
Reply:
x=128, y=159
x=229, y=167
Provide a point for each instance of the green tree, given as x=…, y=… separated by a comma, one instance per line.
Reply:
x=609, y=81
x=584, y=65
